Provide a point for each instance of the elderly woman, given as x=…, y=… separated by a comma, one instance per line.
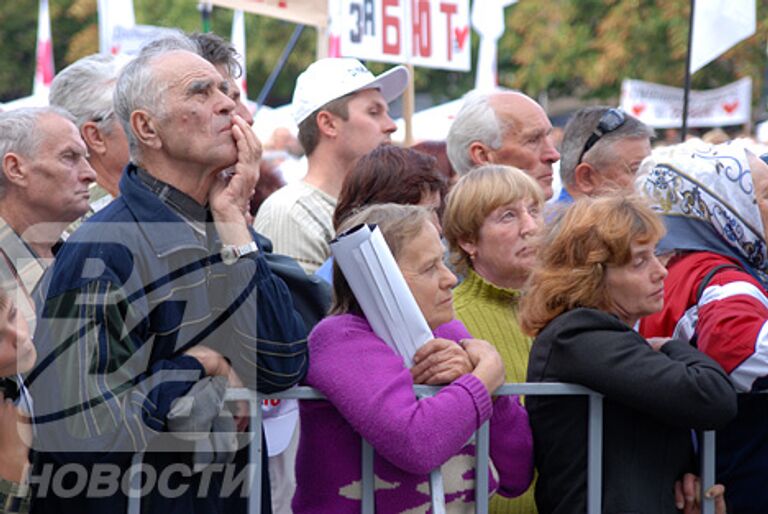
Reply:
x=491, y=218
x=492, y=215
x=597, y=276
x=370, y=395
x=714, y=202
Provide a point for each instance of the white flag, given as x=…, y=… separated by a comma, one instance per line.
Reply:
x=238, y=41
x=717, y=26
x=112, y=14
x=44, y=70
x=488, y=21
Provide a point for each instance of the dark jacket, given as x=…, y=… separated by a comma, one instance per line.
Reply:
x=652, y=401
x=132, y=289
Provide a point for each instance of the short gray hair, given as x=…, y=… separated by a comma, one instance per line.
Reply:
x=476, y=121
x=577, y=132
x=138, y=88
x=85, y=88
x=19, y=134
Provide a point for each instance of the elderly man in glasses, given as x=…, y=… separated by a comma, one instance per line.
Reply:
x=601, y=152
x=503, y=127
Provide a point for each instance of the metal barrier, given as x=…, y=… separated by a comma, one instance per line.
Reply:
x=594, y=455
x=594, y=448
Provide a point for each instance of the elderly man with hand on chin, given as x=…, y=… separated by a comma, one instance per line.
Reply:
x=152, y=308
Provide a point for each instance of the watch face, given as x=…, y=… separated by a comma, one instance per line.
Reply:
x=229, y=254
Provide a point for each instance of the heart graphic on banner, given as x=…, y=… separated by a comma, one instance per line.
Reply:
x=461, y=36
x=637, y=109
x=729, y=107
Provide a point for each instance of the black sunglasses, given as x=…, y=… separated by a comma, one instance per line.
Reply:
x=609, y=121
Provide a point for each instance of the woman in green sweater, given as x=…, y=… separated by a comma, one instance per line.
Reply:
x=491, y=218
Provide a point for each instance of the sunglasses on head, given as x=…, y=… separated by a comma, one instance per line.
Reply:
x=611, y=120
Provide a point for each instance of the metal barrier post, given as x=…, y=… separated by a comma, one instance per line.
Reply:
x=482, y=451
x=437, y=491
x=595, y=455
x=368, y=481
x=254, y=454
x=707, y=470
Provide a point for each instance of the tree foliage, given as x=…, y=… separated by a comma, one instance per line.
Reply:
x=585, y=48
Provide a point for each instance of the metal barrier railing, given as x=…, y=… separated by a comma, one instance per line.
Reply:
x=594, y=455
x=594, y=448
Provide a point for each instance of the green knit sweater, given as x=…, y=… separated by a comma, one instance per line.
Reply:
x=490, y=312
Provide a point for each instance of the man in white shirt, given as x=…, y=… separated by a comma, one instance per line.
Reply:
x=342, y=113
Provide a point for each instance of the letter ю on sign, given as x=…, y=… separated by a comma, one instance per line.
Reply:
x=390, y=25
x=422, y=28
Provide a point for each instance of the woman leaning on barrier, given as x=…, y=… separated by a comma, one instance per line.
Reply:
x=370, y=394
x=491, y=222
x=597, y=276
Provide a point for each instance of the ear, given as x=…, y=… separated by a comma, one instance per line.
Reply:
x=468, y=246
x=479, y=153
x=14, y=169
x=144, y=128
x=93, y=137
x=586, y=179
x=328, y=124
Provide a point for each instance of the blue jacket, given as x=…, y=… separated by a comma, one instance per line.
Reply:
x=130, y=291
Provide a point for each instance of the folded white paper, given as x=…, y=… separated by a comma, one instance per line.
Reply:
x=376, y=281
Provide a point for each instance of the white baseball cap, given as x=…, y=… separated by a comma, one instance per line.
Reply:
x=327, y=79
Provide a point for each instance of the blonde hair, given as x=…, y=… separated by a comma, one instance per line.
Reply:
x=475, y=196
x=589, y=235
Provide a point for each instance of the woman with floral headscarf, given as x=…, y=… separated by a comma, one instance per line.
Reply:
x=714, y=202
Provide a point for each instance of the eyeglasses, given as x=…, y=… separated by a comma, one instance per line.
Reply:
x=611, y=120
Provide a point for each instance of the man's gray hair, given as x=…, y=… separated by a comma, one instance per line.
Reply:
x=19, y=134
x=138, y=88
x=476, y=121
x=577, y=132
x=85, y=88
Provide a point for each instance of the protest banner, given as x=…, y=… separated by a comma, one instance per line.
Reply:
x=129, y=40
x=307, y=12
x=428, y=33
x=662, y=106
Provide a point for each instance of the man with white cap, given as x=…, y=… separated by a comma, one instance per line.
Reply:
x=342, y=113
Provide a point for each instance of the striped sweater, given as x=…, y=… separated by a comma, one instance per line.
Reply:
x=298, y=220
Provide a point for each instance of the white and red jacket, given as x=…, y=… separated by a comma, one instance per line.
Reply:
x=729, y=319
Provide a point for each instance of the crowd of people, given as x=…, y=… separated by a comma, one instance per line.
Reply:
x=152, y=257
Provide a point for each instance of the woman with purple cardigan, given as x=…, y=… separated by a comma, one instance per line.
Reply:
x=370, y=395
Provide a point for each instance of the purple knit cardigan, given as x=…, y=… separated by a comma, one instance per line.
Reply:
x=370, y=394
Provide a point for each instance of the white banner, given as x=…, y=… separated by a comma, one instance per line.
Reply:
x=662, y=106
x=129, y=40
x=308, y=12
x=429, y=33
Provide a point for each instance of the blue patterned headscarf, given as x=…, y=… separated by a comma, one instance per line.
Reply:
x=706, y=197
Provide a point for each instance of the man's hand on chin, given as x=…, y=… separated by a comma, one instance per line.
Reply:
x=231, y=192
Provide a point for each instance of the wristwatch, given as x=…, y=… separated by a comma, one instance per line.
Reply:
x=231, y=253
